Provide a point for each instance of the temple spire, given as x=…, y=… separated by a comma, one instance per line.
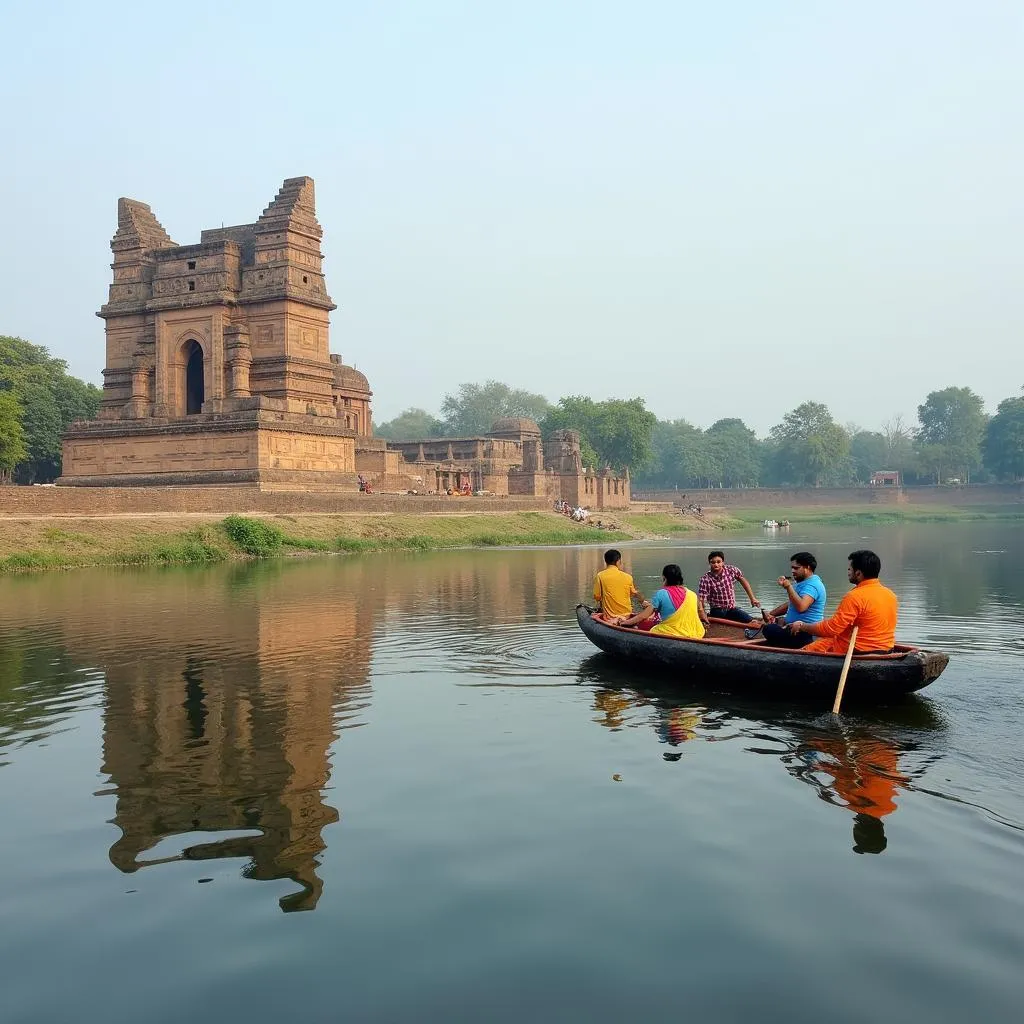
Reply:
x=294, y=206
x=137, y=228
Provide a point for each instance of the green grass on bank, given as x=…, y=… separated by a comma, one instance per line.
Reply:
x=872, y=514
x=39, y=545
x=145, y=541
x=663, y=524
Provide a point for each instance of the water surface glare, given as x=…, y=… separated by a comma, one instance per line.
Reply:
x=405, y=787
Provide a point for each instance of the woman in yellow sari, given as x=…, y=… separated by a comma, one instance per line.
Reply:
x=676, y=607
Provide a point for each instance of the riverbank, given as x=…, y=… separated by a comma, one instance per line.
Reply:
x=873, y=514
x=41, y=543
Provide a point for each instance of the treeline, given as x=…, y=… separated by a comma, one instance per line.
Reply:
x=39, y=399
x=953, y=440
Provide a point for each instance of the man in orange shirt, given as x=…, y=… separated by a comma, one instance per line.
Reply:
x=614, y=588
x=870, y=607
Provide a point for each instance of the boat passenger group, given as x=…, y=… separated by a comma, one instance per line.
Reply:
x=797, y=622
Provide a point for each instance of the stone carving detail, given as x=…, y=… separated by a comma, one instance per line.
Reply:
x=239, y=357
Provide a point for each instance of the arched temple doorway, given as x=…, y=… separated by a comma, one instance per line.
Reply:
x=194, y=383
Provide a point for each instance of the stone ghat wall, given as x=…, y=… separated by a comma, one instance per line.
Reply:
x=663, y=507
x=779, y=500
x=107, y=501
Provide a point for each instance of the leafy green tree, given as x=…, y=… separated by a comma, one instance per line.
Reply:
x=869, y=452
x=76, y=399
x=673, y=444
x=49, y=399
x=952, y=427
x=617, y=432
x=1003, y=446
x=12, y=435
x=736, y=452
x=475, y=407
x=809, y=447
x=43, y=430
x=410, y=426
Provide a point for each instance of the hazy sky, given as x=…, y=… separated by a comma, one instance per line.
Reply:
x=726, y=208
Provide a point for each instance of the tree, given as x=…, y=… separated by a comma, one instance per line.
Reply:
x=43, y=430
x=868, y=452
x=899, y=446
x=810, y=448
x=12, y=436
x=736, y=451
x=410, y=426
x=952, y=427
x=676, y=446
x=49, y=401
x=617, y=432
x=1003, y=446
x=476, y=406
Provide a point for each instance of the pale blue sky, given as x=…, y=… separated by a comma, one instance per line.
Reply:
x=727, y=208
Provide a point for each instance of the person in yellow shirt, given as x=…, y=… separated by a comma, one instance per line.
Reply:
x=870, y=607
x=614, y=589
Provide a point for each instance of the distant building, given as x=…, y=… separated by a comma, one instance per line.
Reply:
x=510, y=459
x=885, y=478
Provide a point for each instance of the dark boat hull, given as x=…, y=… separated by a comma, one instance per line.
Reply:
x=768, y=672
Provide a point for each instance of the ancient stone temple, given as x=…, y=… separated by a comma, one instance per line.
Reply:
x=511, y=459
x=218, y=367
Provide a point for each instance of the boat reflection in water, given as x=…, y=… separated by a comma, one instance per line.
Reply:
x=856, y=767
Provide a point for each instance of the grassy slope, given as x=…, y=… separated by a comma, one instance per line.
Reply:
x=841, y=516
x=165, y=540
x=170, y=540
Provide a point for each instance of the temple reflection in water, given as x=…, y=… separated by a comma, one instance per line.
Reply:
x=224, y=689
x=223, y=721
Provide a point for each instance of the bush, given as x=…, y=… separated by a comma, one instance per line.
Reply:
x=255, y=537
x=304, y=544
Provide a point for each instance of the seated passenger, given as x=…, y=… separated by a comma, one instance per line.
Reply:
x=870, y=607
x=716, y=588
x=677, y=607
x=806, y=602
x=614, y=589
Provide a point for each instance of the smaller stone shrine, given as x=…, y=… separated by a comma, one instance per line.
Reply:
x=511, y=459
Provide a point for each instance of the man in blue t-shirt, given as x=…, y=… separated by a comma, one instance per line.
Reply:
x=805, y=595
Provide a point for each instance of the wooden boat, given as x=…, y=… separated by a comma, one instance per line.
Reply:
x=750, y=666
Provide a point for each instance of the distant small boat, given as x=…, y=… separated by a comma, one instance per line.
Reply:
x=754, y=668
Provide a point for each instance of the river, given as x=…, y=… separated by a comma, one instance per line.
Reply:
x=405, y=787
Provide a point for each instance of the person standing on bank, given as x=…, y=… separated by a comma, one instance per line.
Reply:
x=805, y=602
x=614, y=589
x=716, y=588
x=870, y=607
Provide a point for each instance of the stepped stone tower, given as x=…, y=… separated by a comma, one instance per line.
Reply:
x=218, y=366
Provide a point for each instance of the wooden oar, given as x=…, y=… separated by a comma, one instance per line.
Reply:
x=846, y=668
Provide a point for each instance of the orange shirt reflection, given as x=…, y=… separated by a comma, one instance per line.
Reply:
x=865, y=772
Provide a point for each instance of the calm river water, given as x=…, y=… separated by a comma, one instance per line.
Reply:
x=406, y=788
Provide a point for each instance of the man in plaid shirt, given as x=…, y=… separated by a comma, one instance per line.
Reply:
x=716, y=588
